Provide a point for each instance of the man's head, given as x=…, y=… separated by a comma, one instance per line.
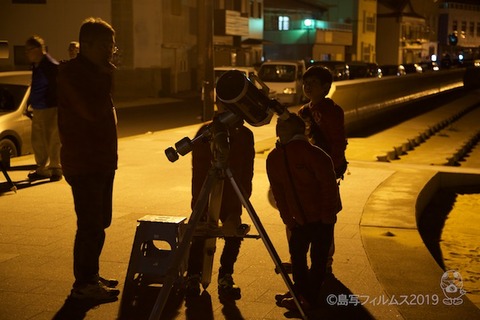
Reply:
x=97, y=41
x=317, y=81
x=287, y=129
x=35, y=49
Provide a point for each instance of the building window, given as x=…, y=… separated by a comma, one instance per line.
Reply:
x=283, y=23
x=455, y=25
x=256, y=9
x=464, y=29
x=260, y=10
x=478, y=29
x=369, y=22
x=367, y=50
x=471, y=29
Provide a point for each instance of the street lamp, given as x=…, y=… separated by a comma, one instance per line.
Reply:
x=308, y=24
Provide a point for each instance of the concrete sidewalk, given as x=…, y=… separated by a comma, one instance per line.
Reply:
x=379, y=253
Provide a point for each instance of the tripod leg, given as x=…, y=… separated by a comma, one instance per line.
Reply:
x=210, y=246
x=12, y=186
x=266, y=240
x=184, y=245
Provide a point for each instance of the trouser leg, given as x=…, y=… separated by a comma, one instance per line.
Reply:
x=39, y=141
x=331, y=252
x=92, y=196
x=53, y=142
x=322, y=235
x=298, y=247
x=229, y=255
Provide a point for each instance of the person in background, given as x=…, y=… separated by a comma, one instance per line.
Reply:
x=43, y=100
x=73, y=49
x=303, y=184
x=88, y=132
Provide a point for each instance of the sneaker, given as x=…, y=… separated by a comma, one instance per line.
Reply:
x=55, y=178
x=227, y=288
x=279, y=297
x=56, y=175
x=192, y=288
x=34, y=175
x=109, y=283
x=95, y=292
x=290, y=304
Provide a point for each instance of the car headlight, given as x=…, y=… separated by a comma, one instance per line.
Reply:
x=289, y=90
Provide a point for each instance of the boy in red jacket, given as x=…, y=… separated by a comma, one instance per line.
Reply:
x=304, y=186
x=324, y=118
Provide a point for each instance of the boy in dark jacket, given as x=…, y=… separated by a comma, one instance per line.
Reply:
x=303, y=183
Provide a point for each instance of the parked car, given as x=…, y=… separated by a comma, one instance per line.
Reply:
x=339, y=69
x=15, y=118
x=412, y=68
x=393, y=70
x=364, y=70
x=285, y=78
x=247, y=71
x=429, y=66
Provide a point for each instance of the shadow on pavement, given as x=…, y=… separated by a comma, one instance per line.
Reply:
x=138, y=302
x=12, y=186
x=74, y=309
x=138, y=305
x=199, y=308
x=341, y=305
x=231, y=311
x=5, y=187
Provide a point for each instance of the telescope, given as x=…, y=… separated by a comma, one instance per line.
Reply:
x=243, y=101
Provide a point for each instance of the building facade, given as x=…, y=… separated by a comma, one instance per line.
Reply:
x=459, y=31
x=165, y=46
x=341, y=30
x=171, y=46
x=404, y=37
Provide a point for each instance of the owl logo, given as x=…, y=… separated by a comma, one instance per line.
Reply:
x=452, y=286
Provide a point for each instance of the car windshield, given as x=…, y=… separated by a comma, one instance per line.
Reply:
x=277, y=73
x=11, y=96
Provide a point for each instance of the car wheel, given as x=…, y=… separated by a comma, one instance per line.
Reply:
x=7, y=144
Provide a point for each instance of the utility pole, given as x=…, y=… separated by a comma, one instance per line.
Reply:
x=205, y=56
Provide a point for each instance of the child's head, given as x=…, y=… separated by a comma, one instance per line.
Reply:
x=317, y=81
x=287, y=129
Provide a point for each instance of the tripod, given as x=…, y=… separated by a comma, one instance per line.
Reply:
x=212, y=190
x=4, y=164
